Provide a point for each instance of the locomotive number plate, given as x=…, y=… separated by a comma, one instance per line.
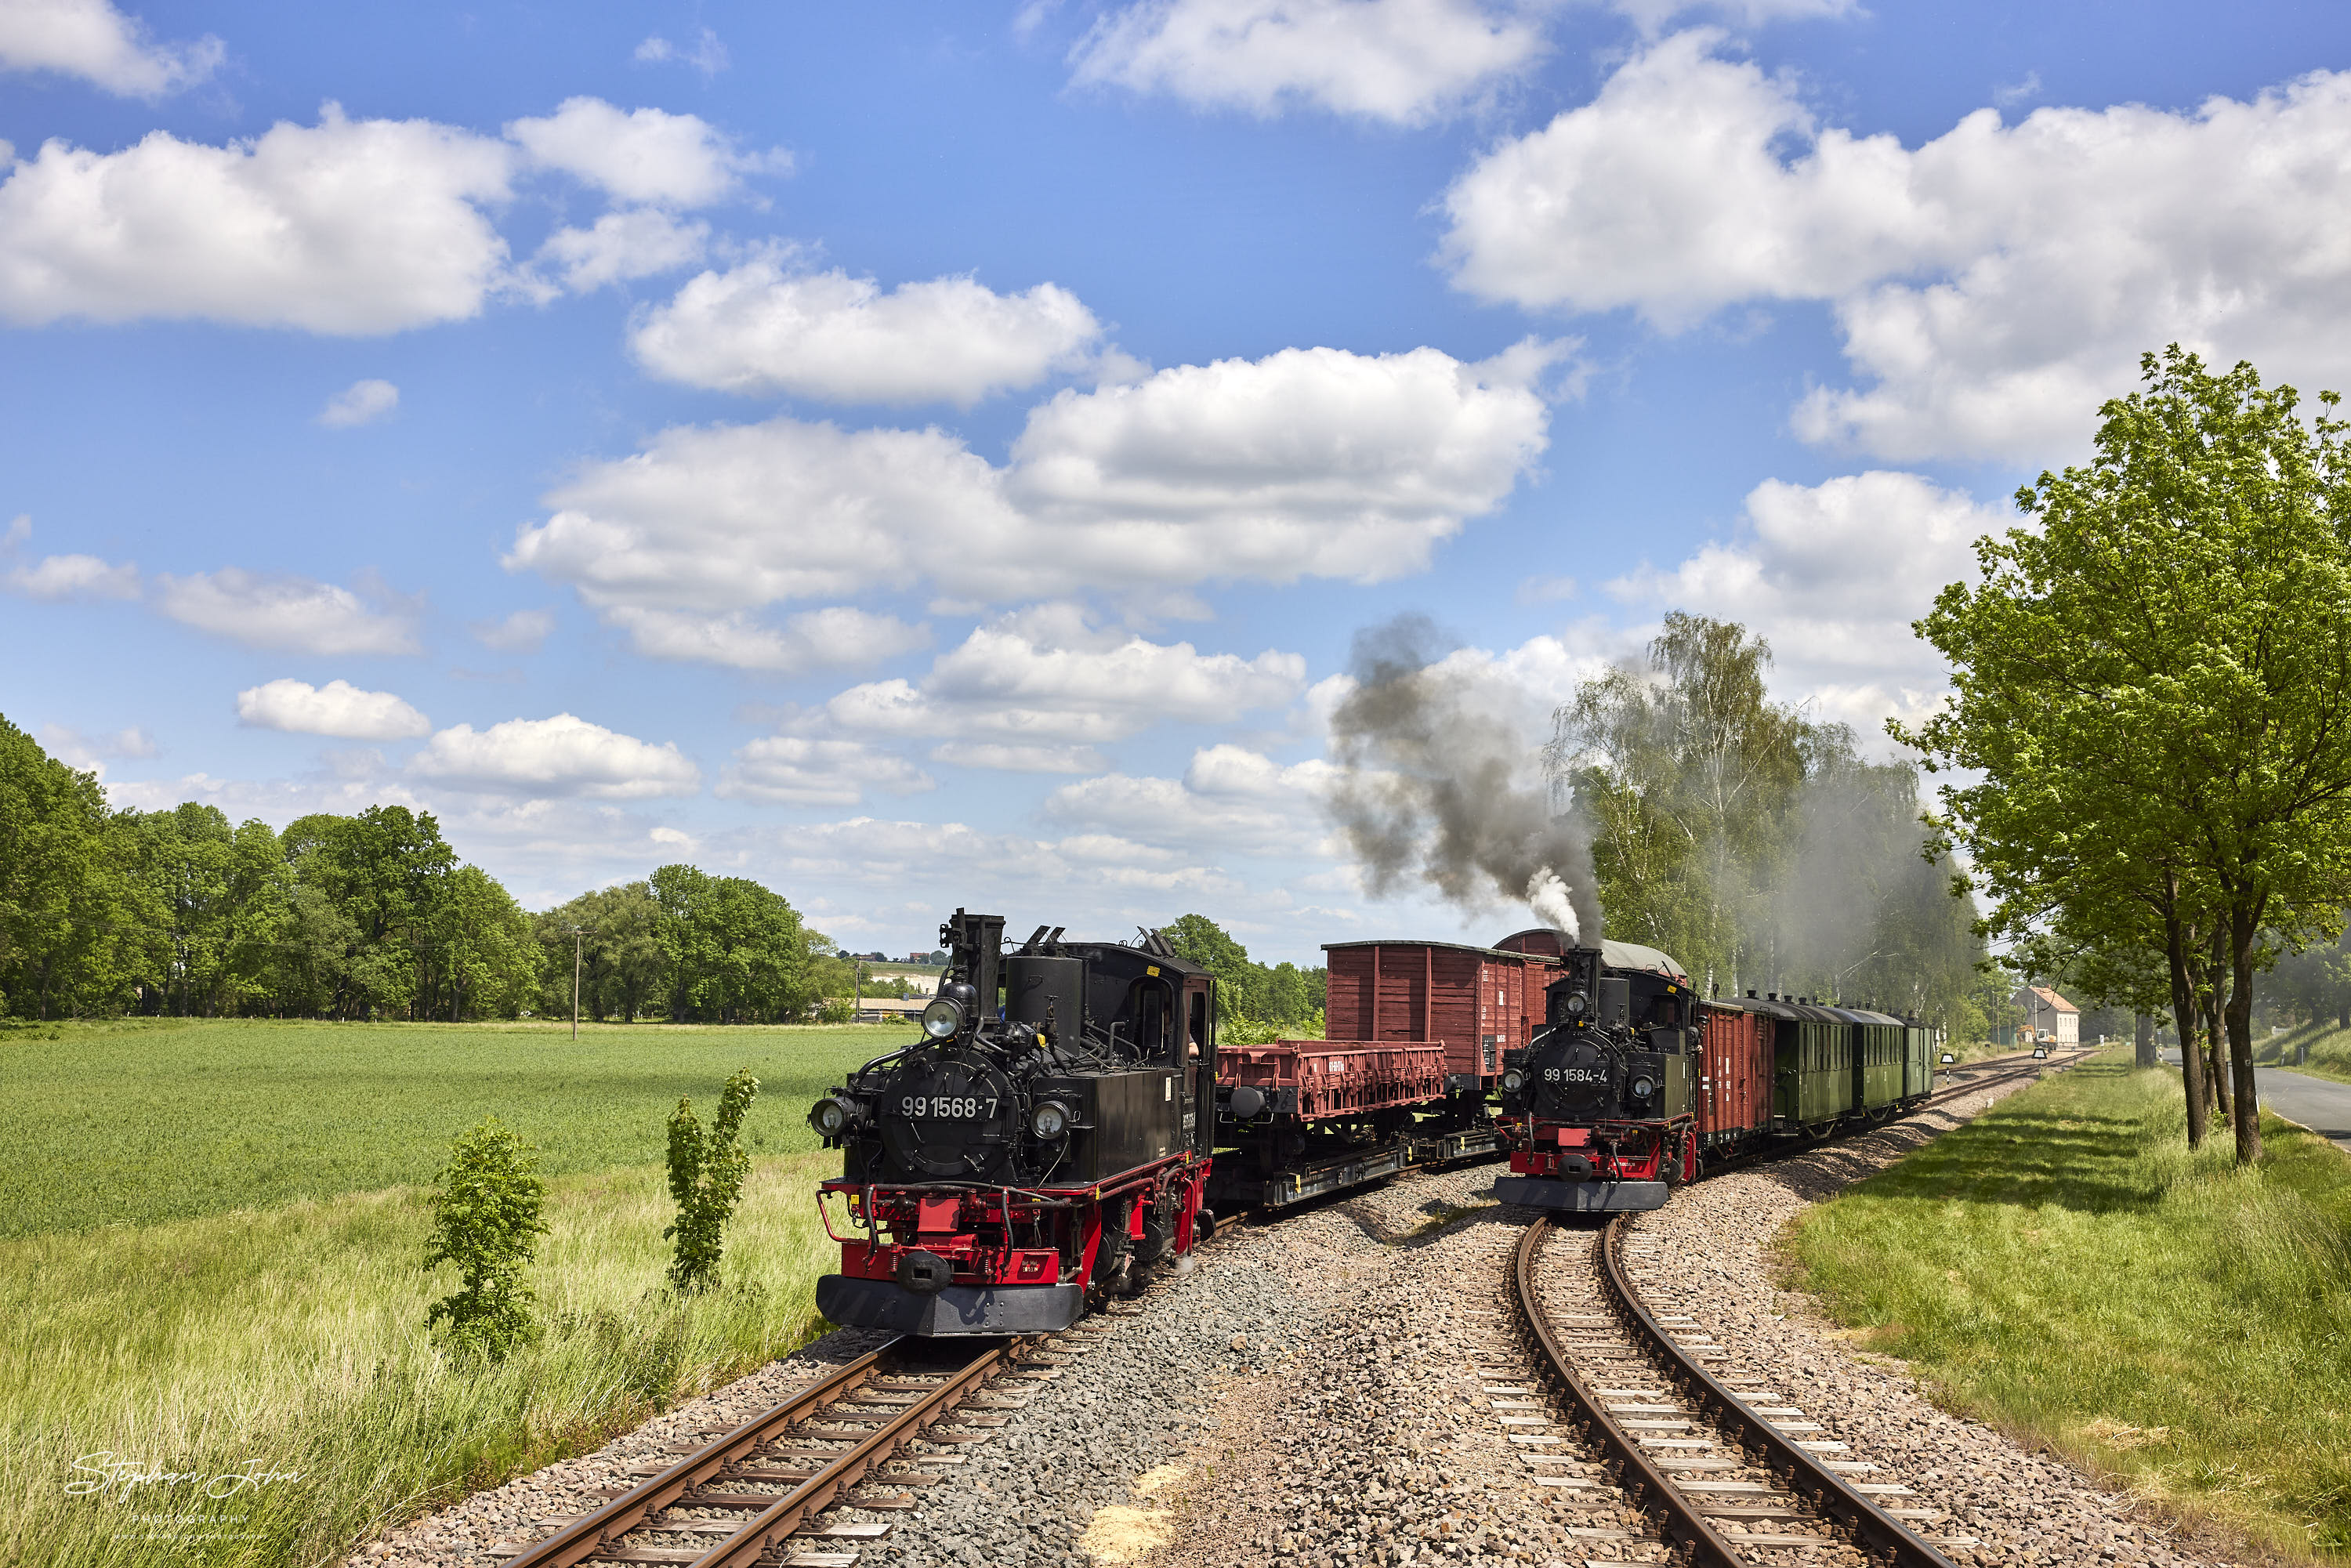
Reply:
x=961, y=1107
x=1575, y=1075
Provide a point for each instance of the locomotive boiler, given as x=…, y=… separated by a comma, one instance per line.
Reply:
x=1044, y=1143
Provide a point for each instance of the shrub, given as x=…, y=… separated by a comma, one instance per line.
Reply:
x=706, y=1178
x=487, y=1210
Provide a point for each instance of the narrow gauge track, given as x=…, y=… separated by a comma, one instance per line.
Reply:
x=1644, y=1396
x=851, y=1426
x=816, y=1449
x=1644, y=1399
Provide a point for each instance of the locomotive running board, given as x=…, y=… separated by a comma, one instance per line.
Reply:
x=1580, y=1196
x=956, y=1310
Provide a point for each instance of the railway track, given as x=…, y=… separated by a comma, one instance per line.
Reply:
x=1722, y=1466
x=866, y=1434
x=756, y=1494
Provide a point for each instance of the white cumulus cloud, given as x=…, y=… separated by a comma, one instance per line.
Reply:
x=1310, y=462
x=797, y=770
x=762, y=329
x=836, y=637
x=562, y=756
x=1833, y=575
x=1036, y=691
x=643, y=155
x=92, y=40
x=1230, y=800
x=1993, y=286
x=336, y=708
x=66, y=576
x=361, y=403
x=635, y=242
x=1403, y=61
x=267, y=611
x=346, y=227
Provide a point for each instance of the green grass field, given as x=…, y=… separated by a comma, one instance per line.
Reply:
x=2064, y=1268
x=211, y=1261
x=138, y=1122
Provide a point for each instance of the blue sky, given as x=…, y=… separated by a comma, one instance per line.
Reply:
x=941, y=454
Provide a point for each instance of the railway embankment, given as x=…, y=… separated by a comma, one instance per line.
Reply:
x=2065, y=1271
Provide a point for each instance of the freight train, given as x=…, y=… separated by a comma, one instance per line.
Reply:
x=1068, y=1117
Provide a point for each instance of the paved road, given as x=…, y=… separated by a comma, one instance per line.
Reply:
x=2319, y=1103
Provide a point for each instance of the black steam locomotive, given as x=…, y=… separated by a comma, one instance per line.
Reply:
x=1041, y=1145
x=1604, y=1102
x=1635, y=1083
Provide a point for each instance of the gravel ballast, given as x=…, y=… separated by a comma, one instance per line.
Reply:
x=1320, y=1391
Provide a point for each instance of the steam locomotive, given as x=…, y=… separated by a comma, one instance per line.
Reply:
x=1040, y=1148
x=1635, y=1083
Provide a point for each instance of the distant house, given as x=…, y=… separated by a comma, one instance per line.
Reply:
x=2048, y=1015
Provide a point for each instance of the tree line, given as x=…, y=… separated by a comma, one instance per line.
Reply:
x=2151, y=716
x=177, y=912
x=1755, y=842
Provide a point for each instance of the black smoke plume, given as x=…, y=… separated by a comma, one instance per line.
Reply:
x=1437, y=781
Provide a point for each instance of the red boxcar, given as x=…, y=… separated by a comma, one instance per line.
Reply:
x=1474, y=1002
x=1734, y=1098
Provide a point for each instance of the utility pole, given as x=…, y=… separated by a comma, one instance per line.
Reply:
x=576, y=933
x=859, y=1005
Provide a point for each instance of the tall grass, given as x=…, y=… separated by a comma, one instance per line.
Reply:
x=292, y=1337
x=2066, y=1268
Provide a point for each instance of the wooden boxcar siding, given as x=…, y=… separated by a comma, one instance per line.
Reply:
x=1735, y=1088
x=1475, y=1005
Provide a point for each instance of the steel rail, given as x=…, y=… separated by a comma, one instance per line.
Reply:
x=1644, y=1481
x=599, y=1533
x=1878, y=1530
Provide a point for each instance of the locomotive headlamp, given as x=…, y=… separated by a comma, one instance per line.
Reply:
x=1513, y=1081
x=943, y=1020
x=1048, y=1120
x=832, y=1115
x=1576, y=1005
x=1643, y=1086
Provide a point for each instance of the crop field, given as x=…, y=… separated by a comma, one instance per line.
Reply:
x=137, y=1122
x=211, y=1265
x=2065, y=1268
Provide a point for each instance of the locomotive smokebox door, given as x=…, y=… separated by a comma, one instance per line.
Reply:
x=1038, y=988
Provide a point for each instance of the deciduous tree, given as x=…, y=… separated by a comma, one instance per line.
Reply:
x=2155, y=681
